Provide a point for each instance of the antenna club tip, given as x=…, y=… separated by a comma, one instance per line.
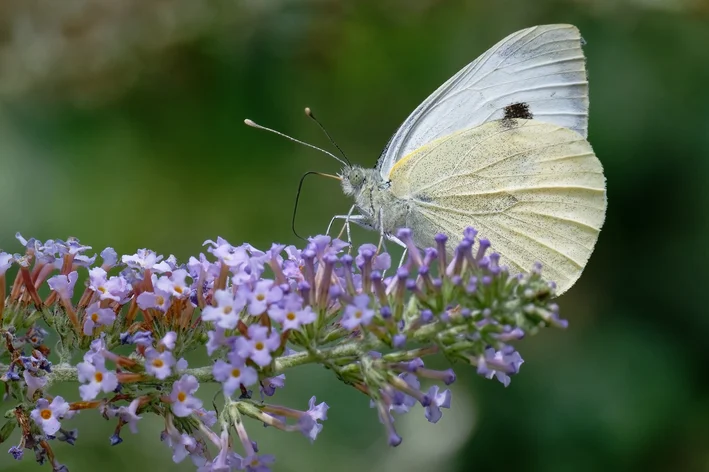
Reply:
x=248, y=122
x=308, y=112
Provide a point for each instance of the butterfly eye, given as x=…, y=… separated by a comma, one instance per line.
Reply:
x=357, y=177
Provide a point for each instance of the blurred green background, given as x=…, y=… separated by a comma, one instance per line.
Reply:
x=121, y=124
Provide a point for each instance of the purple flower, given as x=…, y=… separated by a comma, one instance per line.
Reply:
x=97, y=316
x=33, y=383
x=158, y=364
x=47, y=415
x=202, y=265
x=216, y=339
x=17, y=452
x=83, y=261
x=98, y=378
x=23, y=241
x=357, y=313
x=183, y=402
x=234, y=374
x=226, y=314
x=324, y=245
x=71, y=246
x=169, y=340
x=128, y=414
x=209, y=418
x=6, y=261
x=399, y=340
x=176, y=284
x=499, y=364
x=269, y=385
x=255, y=463
x=380, y=262
x=64, y=284
x=225, y=460
x=110, y=258
x=226, y=253
x=263, y=294
x=158, y=299
x=400, y=402
x=259, y=344
x=69, y=437
x=115, y=288
x=292, y=315
x=181, y=443
x=97, y=346
x=140, y=338
x=437, y=401
x=291, y=266
x=181, y=365
x=308, y=422
x=146, y=259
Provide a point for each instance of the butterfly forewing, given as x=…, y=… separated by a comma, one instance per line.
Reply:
x=536, y=190
x=538, y=72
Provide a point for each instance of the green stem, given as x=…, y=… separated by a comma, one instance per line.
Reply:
x=62, y=373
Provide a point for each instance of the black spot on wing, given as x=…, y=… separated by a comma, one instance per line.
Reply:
x=518, y=110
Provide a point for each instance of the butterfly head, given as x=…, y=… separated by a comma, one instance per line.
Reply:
x=353, y=179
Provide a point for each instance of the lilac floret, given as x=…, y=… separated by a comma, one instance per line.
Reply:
x=437, y=401
x=358, y=313
x=183, y=401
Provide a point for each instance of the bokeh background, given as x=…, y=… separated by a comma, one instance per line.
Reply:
x=121, y=124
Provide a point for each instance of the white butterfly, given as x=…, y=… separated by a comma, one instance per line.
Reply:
x=500, y=147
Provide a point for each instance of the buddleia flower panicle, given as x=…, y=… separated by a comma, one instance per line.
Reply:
x=127, y=324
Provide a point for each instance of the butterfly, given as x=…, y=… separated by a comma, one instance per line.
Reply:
x=500, y=147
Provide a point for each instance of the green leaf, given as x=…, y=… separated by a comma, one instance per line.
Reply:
x=7, y=430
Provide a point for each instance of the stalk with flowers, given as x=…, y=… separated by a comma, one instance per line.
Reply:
x=257, y=314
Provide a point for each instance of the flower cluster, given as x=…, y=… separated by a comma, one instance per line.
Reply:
x=257, y=313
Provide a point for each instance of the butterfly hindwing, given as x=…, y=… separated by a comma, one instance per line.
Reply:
x=536, y=190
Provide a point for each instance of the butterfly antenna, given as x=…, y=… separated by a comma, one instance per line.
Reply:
x=257, y=126
x=310, y=115
x=297, y=197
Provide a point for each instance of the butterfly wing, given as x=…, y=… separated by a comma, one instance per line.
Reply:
x=534, y=189
x=538, y=73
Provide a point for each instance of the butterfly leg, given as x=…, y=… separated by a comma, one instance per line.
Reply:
x=346, y=217
x=399, y=242
x=382, y=235
x=360, y=220
x=347, y=226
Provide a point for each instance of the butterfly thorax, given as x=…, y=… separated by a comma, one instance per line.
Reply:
x=374, y=199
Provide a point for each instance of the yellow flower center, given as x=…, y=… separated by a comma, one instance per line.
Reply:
x=46, y=414
x=160, y=300
x=235, y=372
x=98, y=376
x=290, y=316
x=227, y=309
x=260, y=297
x=182, y=396
x=158, y=363
x=102, y=289
x=258, y=346
x=358, y=314
x=94, y=317
x=178, y=289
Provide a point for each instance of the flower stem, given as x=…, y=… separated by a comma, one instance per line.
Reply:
x=63, y=373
